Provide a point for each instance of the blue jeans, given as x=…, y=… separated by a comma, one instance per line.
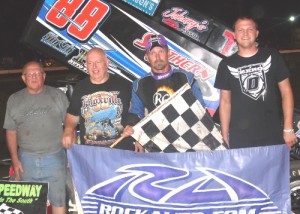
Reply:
x=50, y=168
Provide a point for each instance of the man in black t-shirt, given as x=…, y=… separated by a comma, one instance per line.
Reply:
x=99, y=104
x=250, y=81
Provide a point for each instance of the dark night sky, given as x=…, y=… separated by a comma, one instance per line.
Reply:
x=13, y=17
x=271, y=14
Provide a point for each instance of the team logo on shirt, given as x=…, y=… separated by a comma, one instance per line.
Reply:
x=252, y=78
x=102, y=114
x=162, y=94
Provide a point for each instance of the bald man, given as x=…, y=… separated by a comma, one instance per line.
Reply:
x=99, y=103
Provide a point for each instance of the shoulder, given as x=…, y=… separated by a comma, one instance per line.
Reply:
x=119, y=82
x=143, y=78
x=270, y=55
x=269, y=51
x=117, y=78
x=54, y=90
x=82, y=83
x=229, y=59
x=57, y=94
x=142, y=81
x=51, y=88
x=18, y=94
x=185, y=74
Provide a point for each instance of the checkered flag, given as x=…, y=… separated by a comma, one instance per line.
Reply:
x=4, y=209
x=180, y=124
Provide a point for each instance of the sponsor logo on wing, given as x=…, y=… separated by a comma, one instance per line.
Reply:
x=180, y=15
x=62, y=46
x=150, y=188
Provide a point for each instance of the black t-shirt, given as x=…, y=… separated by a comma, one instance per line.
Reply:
x=102, y=109
x=164, y=88
x=149, y=93
x=253, y=82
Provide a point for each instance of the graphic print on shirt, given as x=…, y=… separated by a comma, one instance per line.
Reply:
x=162, y=94
x=252, y=78
x=102, y=114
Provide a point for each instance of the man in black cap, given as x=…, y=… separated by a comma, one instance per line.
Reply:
x=151, y=90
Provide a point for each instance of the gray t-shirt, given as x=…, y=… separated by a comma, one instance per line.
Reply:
x=38, y=119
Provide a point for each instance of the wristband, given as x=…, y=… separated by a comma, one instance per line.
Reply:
x=288, y=130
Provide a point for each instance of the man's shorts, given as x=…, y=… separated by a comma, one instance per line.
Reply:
x=47, y=168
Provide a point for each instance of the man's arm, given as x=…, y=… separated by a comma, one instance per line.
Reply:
x=11, y=140
x=69, y=136
x=225, y=113
x=288, y=109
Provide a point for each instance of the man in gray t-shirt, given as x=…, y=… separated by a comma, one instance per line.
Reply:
x=34, y=126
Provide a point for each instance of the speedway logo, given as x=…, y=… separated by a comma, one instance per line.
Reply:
x=158, y=188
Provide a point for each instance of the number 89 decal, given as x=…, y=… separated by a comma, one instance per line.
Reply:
x=81, y=21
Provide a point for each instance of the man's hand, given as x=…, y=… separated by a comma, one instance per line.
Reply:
x=68, y=138
x=290, y=139
x=128, y=131
x=138, y=147
x=17, y=165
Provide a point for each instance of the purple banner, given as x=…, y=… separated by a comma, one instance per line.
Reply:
x=253, y=180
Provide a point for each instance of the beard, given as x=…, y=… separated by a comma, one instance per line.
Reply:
x=159, y=65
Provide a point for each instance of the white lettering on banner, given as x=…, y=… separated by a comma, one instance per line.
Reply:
x=108, y=209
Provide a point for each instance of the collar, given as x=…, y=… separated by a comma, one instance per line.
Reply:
x=165, y=75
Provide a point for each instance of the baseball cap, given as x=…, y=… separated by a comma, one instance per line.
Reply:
x=154, y=41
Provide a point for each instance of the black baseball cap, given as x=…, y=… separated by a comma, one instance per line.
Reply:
x=155, y=41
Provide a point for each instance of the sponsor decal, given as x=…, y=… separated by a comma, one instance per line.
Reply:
x=79, y=61
x=178, y=19
x=62, y=46
x=63, y=14
x=23, y=197
x=229, y=46
x=147, y=6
